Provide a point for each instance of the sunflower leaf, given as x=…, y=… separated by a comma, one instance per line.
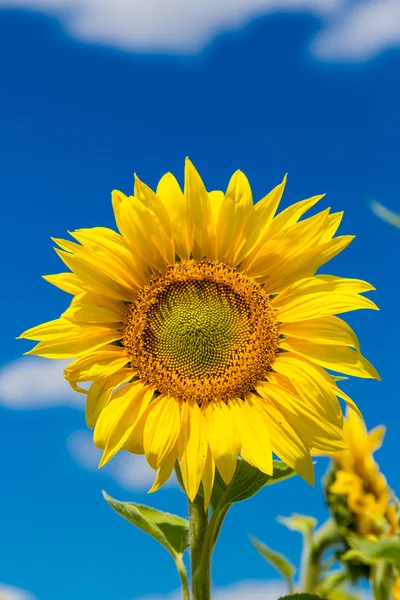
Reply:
x=301, y=523
x=369, y=550
x=277, y=560
x=170, y=530
x=246, y=482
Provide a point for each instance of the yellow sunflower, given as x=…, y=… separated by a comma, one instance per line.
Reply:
x=204, y=330
x=357, y=477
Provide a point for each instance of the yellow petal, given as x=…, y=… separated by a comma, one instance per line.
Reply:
x=322, y=330
x=222, y=438
x=154, y=203
x=96, y=276
x=200, y=220
x=335, y=358
x=350, y=403
x=375, y=437
x=100, y=392
x=92, y=308
x=111, y=246
x=161, y=430
x=310, y=385
x=144, y=232
x=304, y=419
x=286, y=444
x=50, y=330
x=320, y=296
x=235, y=213
x=68, y=282
x=134, y=443
x=119, y=417
x=303, y=265
x=208, y=478
x=334, y=222
x=292, y=214
x=257, y=228
x=216, y=200
x=253, y=433
x=286, y=245
x=193, y=447
x=165, y=470
x=169, y=191
x=98, y=364
x=63, y=339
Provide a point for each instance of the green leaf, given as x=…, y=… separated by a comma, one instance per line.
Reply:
x=170, y=530
x=368, y=550
x=246, y=482
x=277, y=560
x=301, y=597
x=301, y=523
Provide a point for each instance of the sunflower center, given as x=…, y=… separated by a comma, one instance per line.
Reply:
x=201, y=330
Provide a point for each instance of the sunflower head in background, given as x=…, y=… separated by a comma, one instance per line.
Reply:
x=357, y=492
x=205, y=332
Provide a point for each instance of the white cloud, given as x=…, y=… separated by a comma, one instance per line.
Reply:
x=8, y=592
x=360, y=32
x=33, y=382
x=351, y=30
x=242, y=590
x=130, y=471
x=173, y=25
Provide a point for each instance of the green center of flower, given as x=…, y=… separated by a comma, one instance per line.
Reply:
x=201, y=330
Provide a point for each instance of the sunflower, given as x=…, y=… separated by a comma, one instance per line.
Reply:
x=356, y=477
x=204, y=330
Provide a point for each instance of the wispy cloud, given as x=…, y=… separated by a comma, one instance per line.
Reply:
x=384, y=213
x=9, y=592
x=350, y=29
x=242, y=590
x=131, y=472
x=361, y=31
x=32, y=383
x=176, y=25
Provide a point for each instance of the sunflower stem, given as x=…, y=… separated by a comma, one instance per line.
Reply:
x=313, y=548
x=200, y=557
x=183, y=577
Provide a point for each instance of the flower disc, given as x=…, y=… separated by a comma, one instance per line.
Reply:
x=201, y=331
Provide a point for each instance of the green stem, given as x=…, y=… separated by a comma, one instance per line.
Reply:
x=183, y=577
x=198, y=523
x=313, y=549
x=380, y=579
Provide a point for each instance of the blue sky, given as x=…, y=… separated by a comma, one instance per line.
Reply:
x=79, y=114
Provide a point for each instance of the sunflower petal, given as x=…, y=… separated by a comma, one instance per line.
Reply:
x=208, y=478
x=161, y=430
x=310, y=425
x=67, y=282
x=286, y=444
x=100, y=392
x=193, y=447
x=252, y=430
x=119, y=417
x=165, y=470
x=335, y=358
x=169, y=191
x=322, y=330
x=222, y=438
x=234, y=215
x=257, y=228
x=200, y=218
